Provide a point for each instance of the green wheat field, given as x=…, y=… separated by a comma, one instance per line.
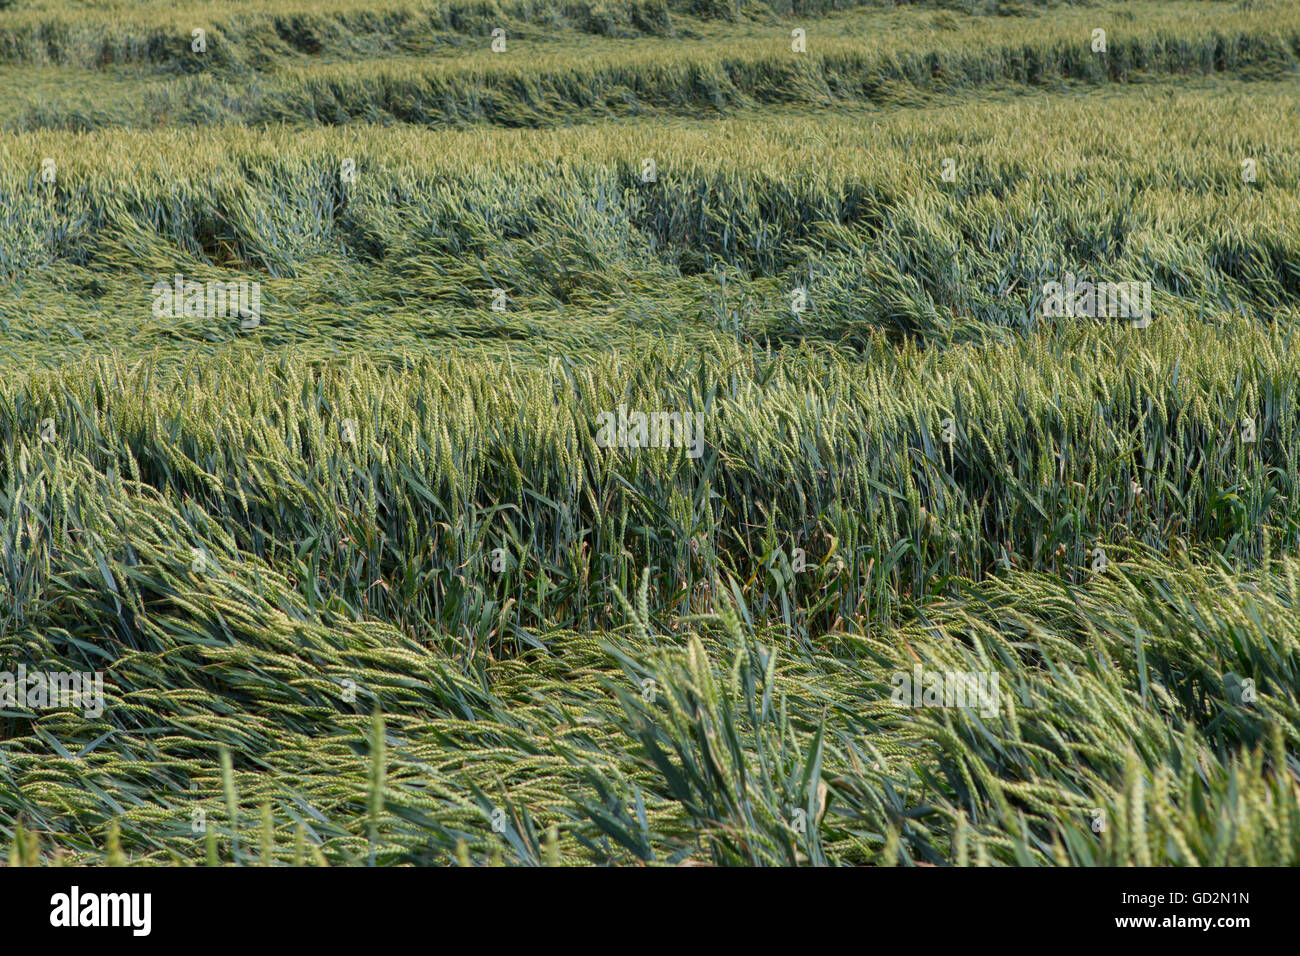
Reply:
x=367, y=584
